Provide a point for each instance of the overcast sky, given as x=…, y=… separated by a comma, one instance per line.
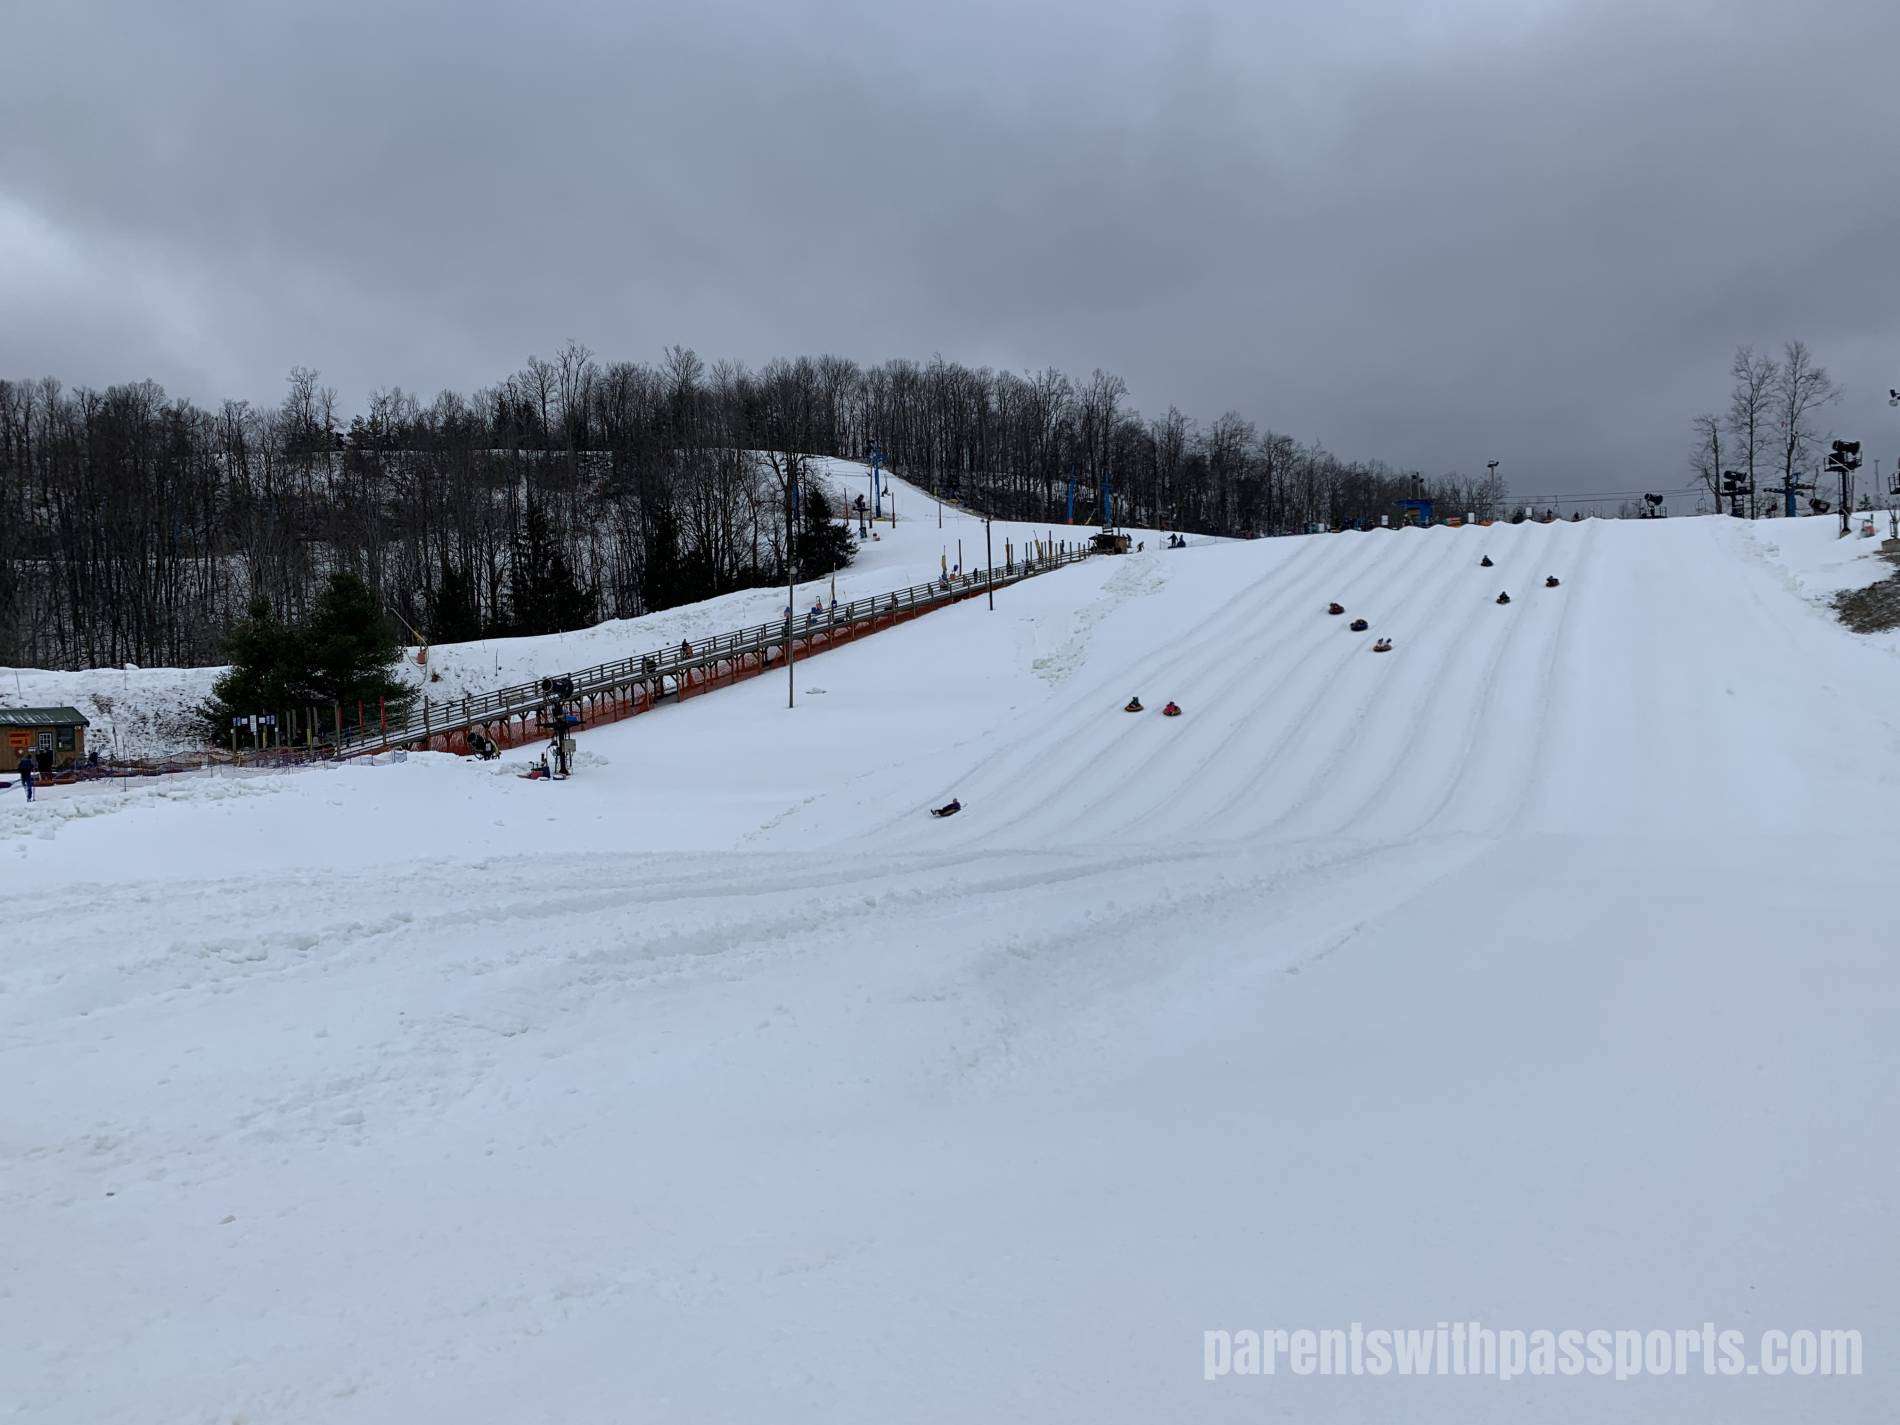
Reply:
x=1432, y=233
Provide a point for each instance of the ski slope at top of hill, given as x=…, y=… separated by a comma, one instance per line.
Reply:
x=145, y=712
x=1540, y=972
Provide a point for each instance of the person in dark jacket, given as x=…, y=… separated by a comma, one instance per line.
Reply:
x=28, y=769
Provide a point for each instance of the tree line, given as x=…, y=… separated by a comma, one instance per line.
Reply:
x=1762, y=449
x=140, y=527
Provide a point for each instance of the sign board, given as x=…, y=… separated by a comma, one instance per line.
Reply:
x=19, y=741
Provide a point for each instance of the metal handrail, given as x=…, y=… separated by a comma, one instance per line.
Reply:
x=434, y=720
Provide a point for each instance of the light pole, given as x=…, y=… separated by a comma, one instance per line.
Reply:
x=989, y=559
x=791, y=579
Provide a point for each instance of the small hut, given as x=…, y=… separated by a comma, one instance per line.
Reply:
x=56, y=737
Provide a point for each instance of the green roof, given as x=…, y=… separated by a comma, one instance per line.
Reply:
x=42, y=717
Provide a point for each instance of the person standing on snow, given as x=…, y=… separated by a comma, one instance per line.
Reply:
x=28, y=767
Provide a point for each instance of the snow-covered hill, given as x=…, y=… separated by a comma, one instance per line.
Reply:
x=1541, y=972
x=147, y=712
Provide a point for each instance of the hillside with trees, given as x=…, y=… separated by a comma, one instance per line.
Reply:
x=139, y=527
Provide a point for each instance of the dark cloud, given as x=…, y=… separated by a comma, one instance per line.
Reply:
x=1437, y=235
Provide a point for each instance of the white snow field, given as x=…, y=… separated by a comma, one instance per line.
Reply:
x=1541, y=973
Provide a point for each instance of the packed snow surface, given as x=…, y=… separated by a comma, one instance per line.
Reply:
x=1539, y=973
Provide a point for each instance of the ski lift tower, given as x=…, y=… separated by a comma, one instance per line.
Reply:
x=1893, y=482
x=1109, y=540
x=877, y=490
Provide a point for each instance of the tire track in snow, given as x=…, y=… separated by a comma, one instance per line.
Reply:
x=1065, y=745
x=1222, y=702
x=1485, y=743
x=1231, y=710
x=1319, y=743
x=1310, y=635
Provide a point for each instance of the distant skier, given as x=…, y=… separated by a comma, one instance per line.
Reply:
x=1504, y=598
x=1485, y=563
x=949, y=808
x=28, y=770
x=1134, y=705
x=1359, y=625
x=1551, y=582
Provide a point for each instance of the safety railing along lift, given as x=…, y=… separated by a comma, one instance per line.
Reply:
x=610, y=691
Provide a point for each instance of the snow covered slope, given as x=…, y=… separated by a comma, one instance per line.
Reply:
x=1540, y=972
x=147, y=712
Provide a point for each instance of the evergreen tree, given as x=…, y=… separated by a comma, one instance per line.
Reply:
x=824, y=544
x=264, y=676
x=348, y=650
x=663, y=578
x=344, y=653
x=543, y=594
x=455, y=614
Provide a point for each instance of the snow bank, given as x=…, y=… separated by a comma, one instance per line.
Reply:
x=1817, y=563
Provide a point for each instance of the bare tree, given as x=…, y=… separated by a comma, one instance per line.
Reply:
x=1705, y=455
x=1802, y=390
x=1751, y=406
